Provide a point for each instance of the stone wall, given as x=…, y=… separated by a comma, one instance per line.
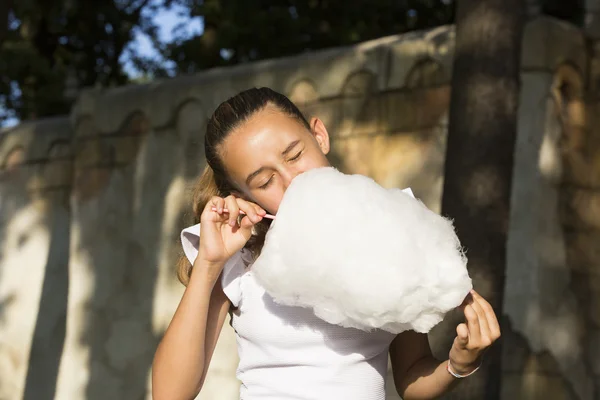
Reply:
x=114, y=181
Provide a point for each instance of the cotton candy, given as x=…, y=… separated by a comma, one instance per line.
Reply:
x=362, y=256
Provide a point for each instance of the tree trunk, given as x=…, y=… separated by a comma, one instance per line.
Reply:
x=479, y=156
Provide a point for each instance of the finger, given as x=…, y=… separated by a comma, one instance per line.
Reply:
x=489, y=314
x=467, y=300
x=259, y=210
x=233, y=209
x=486, y=336
x=462, y=335
x=246, y=224
x=473, y=325
x=249, y=210
x=218, y=203
x=211, y=209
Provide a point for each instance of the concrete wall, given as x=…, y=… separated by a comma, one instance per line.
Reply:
x=130, y=156
x=138, y=151
x=545, y=352
x=35, y=184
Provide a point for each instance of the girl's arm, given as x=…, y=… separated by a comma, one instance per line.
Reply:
x=183, y=355
x=418, y=375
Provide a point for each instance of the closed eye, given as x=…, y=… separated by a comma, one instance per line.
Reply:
x=297, y=156
x=267, y=183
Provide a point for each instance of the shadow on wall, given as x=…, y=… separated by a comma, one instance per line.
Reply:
x=50, y=327
x=129, y=198
x=547, y=352
x=34, y=237
x=397, y=137
x=118, y=210
x=579, y=220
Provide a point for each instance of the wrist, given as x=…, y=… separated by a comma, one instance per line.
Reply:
x=460, y=370
x=208, y=271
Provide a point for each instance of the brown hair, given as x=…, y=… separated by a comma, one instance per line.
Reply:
x=214, y=181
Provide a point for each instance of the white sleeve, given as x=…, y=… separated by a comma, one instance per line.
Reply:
x=408, y=191
x=231, y=278
x=232, y=271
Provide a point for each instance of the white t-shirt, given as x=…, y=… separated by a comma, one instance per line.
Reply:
x=287, y=353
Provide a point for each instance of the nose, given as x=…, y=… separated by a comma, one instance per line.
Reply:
x=288, y=175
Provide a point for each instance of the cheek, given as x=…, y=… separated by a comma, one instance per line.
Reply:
x=315, y=159
x=269, y=199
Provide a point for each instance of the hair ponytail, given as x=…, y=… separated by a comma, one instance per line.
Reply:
x=206, y=188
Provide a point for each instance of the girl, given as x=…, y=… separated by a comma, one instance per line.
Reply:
x=255, y=144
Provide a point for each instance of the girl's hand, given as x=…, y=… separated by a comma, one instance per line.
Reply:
x=475, y=336
x=221, y=236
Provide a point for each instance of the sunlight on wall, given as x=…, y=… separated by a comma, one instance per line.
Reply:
x=25, y=249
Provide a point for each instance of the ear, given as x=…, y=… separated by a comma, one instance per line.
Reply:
x=320, y=134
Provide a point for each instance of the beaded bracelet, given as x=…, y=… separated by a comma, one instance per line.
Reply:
x=454, y=374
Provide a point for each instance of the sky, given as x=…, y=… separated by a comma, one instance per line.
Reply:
x=167, y=20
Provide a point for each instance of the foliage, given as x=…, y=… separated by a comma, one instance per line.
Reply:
x=237, y=31
x=51, y=48
x=48, y=48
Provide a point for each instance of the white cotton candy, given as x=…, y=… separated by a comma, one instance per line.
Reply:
x=362, y=256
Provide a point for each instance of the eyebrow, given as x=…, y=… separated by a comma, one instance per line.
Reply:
x=289, y=148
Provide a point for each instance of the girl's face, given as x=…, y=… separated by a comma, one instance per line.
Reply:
x=266, y=152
